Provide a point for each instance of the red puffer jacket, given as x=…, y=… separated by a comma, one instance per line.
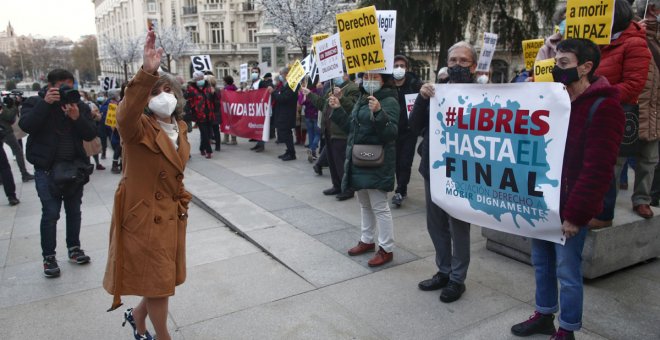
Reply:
x=625, y=63
x=591, y=152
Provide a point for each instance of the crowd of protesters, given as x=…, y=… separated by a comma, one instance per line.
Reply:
x=350, y=115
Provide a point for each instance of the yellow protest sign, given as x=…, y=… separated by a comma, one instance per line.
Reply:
x=318, y=37
x=530, y=50
x=111, y=116
x=590, y=19
x=360, y=39
x=296, y=74
x=543, y=70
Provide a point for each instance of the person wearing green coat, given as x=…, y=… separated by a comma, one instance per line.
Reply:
x=373, y=121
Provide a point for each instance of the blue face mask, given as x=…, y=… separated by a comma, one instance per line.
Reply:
x=100, y=99
x=338, y=81
x=562, y=27
x=200, y=83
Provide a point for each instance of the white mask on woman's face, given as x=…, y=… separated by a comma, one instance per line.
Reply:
x=163, y=105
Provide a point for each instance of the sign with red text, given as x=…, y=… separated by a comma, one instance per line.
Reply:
x=496, y=154
x=329, y=58
x=246, y=114
x=410, y=102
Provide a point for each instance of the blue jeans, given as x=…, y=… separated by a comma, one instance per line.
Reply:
x=553, y=261
x=50, y=214
x=313, y=133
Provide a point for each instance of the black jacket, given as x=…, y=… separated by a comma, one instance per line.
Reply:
x=419, y=124
x=41, y=120
x=285, y=103
x=410, y=86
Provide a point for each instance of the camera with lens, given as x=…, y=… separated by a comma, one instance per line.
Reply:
x=68, y=95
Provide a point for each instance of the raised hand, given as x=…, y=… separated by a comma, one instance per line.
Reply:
x=152, y=56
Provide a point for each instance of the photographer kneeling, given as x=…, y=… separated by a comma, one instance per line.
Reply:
x=57, y=123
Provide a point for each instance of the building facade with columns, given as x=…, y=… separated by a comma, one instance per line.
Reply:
x=234, y=32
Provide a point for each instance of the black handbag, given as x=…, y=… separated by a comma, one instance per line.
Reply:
x=630, y=144
x=67, y=177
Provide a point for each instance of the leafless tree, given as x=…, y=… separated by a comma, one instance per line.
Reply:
x=298, y=20
x=175, y=43
x=122, y=51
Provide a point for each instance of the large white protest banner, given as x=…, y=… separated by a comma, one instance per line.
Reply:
x=329, y=58
x=387, y=28
x=244, y=73
x=496, y=154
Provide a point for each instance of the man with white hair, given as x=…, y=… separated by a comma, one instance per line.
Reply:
x=450, y=236
x=200, y=102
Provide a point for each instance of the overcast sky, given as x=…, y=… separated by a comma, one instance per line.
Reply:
x=69, y=18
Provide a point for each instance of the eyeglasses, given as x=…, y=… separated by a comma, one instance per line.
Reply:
x=465, y=62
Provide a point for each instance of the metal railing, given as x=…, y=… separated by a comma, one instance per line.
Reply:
x=226, y=47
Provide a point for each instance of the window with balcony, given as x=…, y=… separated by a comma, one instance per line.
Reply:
x=266, y=56
x=222, y=69
x=280, y=56
x=193, y=33
x=252, y=32
x=152, y=7
x=233, y=27
x=216, y=32
x=190, y=7
x=214, y=4
x=248, y=5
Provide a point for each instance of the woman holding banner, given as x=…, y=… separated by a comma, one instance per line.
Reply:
x=595, y=132
x=146, y=256
x=371, y=127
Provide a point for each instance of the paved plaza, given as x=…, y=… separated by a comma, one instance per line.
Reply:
x=267, y=259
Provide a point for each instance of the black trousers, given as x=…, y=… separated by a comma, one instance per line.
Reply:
x=286, y=137
x=5, y=173
x=215, y=129
x=336, y=151
x=405, y=152
x=205, y=137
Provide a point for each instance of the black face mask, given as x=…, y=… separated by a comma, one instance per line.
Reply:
x=565, y=76
x=459, y=74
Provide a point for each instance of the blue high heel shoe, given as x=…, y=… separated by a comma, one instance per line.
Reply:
x=128, y=317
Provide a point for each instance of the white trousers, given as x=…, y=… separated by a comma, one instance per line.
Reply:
x=376, y=213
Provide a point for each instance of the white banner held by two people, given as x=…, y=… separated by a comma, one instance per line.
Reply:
x=496, y=154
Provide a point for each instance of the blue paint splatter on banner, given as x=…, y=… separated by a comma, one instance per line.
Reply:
x=522, y=155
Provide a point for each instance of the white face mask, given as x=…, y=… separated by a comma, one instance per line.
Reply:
x=163, y=105
x=399, y=73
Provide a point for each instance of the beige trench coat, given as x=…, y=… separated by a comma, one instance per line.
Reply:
x=147, y=254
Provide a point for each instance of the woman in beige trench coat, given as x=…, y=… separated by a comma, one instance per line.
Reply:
x=146, y=256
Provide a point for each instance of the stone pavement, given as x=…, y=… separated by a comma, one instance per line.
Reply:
x=266, y=259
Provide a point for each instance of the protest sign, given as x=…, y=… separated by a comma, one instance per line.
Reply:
x=329, y=58
x=111, y=116
x=244, y=73
x=590, y=19
x=360, y=39
x=201, y=62
x=246, y=114
x=387, y=29
x=496, y=155
x=487, y=52
x=309, y=65
x=410, y=102
x=530, y=50
x=296, y=75
x=318, y=37
x=543, y=70
x=108, y=83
